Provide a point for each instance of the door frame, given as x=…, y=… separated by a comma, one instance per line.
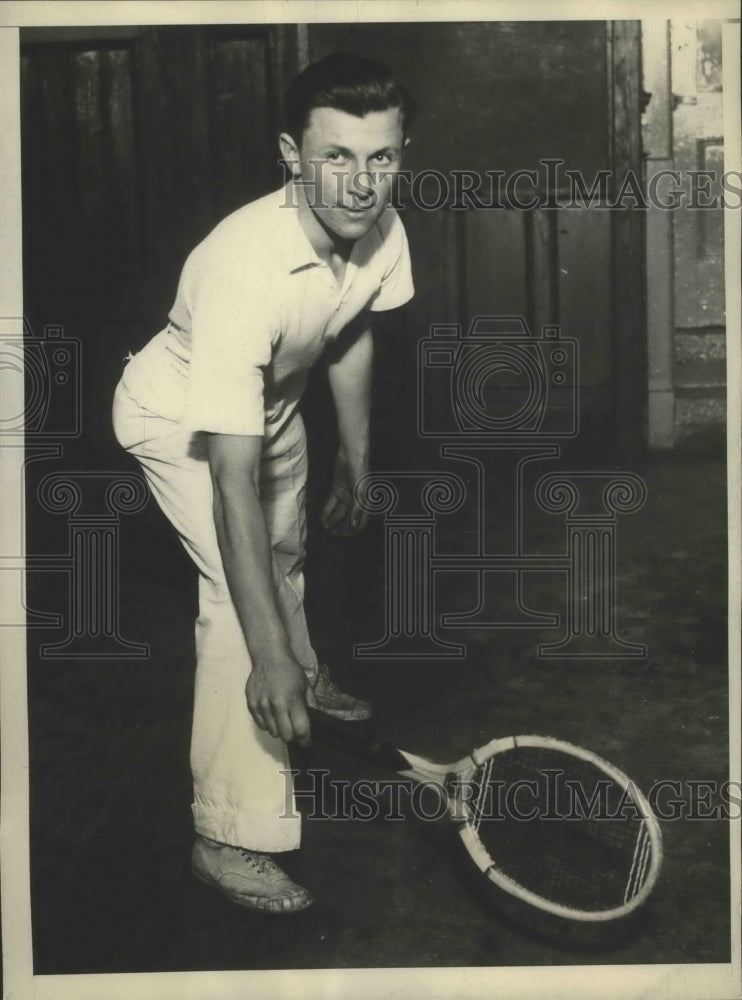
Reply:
x=628, y=253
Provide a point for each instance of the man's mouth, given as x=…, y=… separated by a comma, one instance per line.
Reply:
x=358, y=209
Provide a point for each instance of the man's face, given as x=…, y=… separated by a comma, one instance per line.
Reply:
x=346, y=165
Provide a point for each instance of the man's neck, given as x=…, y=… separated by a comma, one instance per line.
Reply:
x=325, y=244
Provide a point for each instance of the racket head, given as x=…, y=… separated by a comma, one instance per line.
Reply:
x=556, y=827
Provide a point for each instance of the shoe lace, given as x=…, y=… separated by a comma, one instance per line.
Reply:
x=262, y=863
x=326, y=686
x=330, y=688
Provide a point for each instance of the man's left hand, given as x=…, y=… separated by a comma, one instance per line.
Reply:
x=342, y=515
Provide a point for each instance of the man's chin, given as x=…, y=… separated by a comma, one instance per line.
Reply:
x=351, y=225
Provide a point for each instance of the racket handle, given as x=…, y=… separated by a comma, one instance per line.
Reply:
x=356, y=738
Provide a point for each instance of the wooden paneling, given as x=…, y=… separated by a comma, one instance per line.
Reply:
x=698, y=313
x=698, y=130
x=492, y=94
x=585, y=290
x=242, y=125
x=82, y=188
x=542, y=254
x=496, y=262
x=436, y=268
x=135, y=143
x=629, y=347
x=50, y=176
x=102, y=89
x=513, y=260
x=174, y=159
x=34, y=169
x=502, y=96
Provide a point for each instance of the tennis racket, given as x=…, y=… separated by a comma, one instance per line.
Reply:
x=550, y=824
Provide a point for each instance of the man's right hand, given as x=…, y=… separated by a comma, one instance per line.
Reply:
x=275, y=689
x=276, y=697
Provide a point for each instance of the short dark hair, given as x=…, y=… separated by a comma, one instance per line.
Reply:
x=348, y=83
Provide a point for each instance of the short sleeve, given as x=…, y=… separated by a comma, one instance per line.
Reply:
x=396, y=286
x=232, y=330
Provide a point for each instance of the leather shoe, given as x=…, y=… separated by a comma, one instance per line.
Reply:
x=249, y=878
x=326, y=696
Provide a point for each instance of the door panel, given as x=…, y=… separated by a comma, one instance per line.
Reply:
x=483, y=108
x=136, y=142
x=483, y=104
x=585, y=289
x=698, y=145
x=495, y=256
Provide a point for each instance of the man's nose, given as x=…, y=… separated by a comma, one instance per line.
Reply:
x=360, y=185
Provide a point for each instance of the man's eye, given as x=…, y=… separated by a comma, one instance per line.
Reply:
x=335, y=157
x=383, y=158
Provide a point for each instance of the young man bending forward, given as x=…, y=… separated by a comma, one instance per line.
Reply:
x=210, y=410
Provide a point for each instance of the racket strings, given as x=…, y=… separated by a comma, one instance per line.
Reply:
x=639, y=864
x=560, y=827
x=480, y=806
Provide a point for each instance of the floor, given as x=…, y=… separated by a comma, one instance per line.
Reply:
x=110, y=816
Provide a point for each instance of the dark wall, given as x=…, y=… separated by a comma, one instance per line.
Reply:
x=495, y=94
x=136, y=141
x=505, y=96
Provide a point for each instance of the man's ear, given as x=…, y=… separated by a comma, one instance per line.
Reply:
x=290, y=153
x=405, y=144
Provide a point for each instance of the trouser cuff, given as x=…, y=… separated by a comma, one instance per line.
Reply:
x=255, y=831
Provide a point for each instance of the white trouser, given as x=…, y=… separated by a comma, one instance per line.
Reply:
x=241, y=795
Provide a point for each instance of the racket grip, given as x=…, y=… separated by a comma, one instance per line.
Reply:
x=357, y=738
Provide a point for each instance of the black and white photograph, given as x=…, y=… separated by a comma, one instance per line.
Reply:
x=370, y=456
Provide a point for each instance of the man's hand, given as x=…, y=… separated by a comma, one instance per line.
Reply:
x=342, y=515
x=275, y=689
x=276, y=697
x=349, y=373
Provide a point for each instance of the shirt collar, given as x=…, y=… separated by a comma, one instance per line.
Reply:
x=299, y=251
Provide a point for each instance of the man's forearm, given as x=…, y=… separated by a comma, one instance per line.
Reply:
x=349, y=375
x=275, y=689
x=246, y=554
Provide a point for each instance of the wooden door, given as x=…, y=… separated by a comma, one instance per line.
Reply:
x=698, y=229
x=135, y=142
x=508, y=97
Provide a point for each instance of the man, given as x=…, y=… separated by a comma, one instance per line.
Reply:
x=210, y=410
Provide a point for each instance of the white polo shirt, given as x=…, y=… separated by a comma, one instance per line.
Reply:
x=255, y=307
